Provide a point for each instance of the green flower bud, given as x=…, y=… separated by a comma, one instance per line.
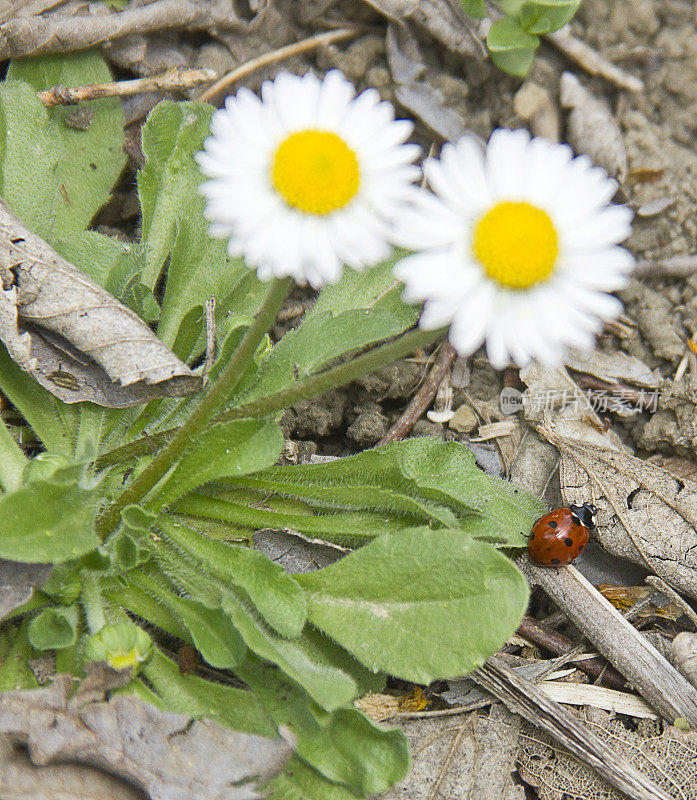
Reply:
x=122, y=645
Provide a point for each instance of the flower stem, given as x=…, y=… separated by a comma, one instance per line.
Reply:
x=12, y=460
x=304, y=389
x=214, y=398
x=337, y=376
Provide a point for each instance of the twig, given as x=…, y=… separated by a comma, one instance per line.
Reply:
x=63, y=32
x=661, y=685
x=282, y=53
x=210, y=338
x=172, y=80
x=592, y=61
x=639, y=397
x=423, y=398
x=555, y=643
x=662, y=586
x=523, y=697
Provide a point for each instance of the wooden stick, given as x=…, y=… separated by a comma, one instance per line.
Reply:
x=423, y=398
x=660, y=684
x=282, y=53
x=173, y=79
x=527, y=699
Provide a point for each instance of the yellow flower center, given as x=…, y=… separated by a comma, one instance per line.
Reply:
x=516, y=244
x=315, y=172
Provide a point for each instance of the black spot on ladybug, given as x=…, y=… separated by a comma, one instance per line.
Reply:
x=532, y=536
x=552, y=524
x=555, y=561
x=568, y=542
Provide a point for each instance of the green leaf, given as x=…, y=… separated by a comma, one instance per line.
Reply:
x=328, y=685
x=54, y=628
x=168, y=183
x=14, y=671
x=239, y=709
x=363, y=308
x=225, y=450
x=344, y=746
x=475, y=8
x=542, y=16
x=419, y=605
x=511, y=48
x=420, y=480
x=199, y=269
x=213, y=635
x=88, y=161
x=298, y=781
x=276, y=595
x=48, y=520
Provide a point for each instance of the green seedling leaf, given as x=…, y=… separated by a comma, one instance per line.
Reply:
x=276, y=595
x=90, y=156
x=328, y=686
x=344, y=746
x=511, y=48
x=419, y=605
x=225, y=450
x=48, y=521
x=363, y=308
x=542, y=16
x=54, y=628
x=168, y=183
x=188, y=694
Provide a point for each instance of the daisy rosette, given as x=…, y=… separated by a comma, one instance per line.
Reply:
x=307, y=178
x=516, y=248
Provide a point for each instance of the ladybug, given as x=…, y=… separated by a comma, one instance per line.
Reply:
x=558, y=537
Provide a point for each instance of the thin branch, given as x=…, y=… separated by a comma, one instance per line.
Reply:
x=172, y=80
x=282, y=53
x=423, y=398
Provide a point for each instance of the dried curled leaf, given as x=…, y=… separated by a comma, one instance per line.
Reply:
x=645, y=514
x=71, y=335
x=166, y=755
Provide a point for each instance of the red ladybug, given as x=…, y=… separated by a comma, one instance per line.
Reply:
x=558, y=537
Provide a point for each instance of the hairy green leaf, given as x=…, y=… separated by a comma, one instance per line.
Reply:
x=188, y=694
x=48, y=520
x=88, y=161
x=420, y=604
x=299, y=781
x=344, y=746
x=276, y=595
x=224, y=450
x=328, y=685
x=168, y=183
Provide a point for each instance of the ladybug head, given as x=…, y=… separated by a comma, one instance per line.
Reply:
x=585, y=514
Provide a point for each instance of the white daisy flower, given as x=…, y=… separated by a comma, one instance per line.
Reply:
x=308, y=178
x=518, y=248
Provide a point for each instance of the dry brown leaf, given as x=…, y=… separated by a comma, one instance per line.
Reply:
x=614, y=367
x=669, y=759
x=71, y=335
x=168, y=756
x=591, y=127
x=645, y=514
x=17, y=583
